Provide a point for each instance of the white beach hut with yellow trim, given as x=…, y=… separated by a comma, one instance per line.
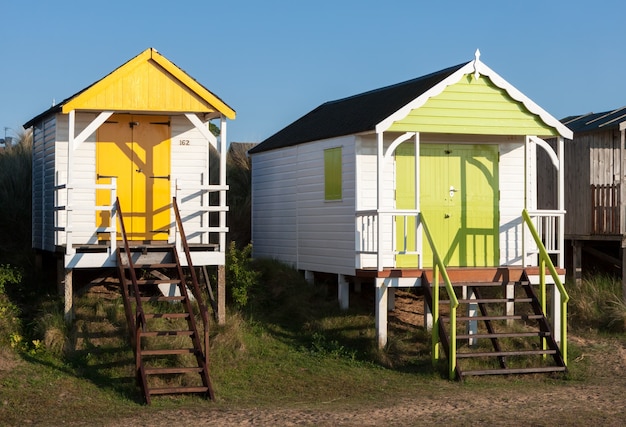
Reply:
x=141, y=135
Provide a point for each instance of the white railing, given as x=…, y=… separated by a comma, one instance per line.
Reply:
x=550, y=229
x=387, y=246
x=195, y=207
x=70, y=208
x=367, y=239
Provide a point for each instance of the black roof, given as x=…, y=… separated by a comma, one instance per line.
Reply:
x=593, y=121
x=355, y=114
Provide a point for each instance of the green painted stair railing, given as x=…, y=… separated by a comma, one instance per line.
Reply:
x=546, y=262
x=439, y=271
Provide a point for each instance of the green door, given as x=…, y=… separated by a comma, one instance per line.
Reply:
x=459, y=199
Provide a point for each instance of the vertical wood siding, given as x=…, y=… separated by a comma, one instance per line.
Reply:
x=592, y=158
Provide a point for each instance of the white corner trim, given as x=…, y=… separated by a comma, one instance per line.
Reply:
x=91, y=128
x=202, y=128
x=474, y=67
x=548, y=149
x=622, y=126
x=399, y=140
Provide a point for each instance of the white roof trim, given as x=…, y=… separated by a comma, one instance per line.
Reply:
x=622, y=126
x=474, y=67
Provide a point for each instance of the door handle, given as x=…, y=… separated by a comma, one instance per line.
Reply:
x=105, y=176
x=452, y=191
x=161, y=177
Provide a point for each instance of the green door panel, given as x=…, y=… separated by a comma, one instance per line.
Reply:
x=459, y=199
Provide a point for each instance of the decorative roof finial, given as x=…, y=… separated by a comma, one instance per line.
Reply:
x=476, y=61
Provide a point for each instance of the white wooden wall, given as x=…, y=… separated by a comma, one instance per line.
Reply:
x=366, y=182
x=274, y=200
x=291, y=220
x=188, y=167
x=512, y=189
x=190, y=156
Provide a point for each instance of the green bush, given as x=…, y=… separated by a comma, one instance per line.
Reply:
x=10, y=326
x=240, y=275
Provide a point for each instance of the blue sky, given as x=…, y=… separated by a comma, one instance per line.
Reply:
x=274, y=61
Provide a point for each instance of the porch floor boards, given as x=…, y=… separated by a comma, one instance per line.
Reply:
x=460, y=274
x=152, y=245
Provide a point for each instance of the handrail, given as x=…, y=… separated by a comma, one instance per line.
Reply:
x=440, y=268
x=194, y=279
x=547, y=262
x=141, y=318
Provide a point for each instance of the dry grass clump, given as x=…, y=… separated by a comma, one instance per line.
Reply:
x=597, y=304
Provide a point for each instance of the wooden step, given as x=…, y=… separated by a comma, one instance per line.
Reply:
x=503, y=317
x=158, y=281
x=504, y=335
x=168, y=351
x=165, y=333
x=157, y=298
x=477, y=284
x=493, y=300
x=143, y=282
x=152, y=266
x=178, y=390
x=503, y=371
x=505, y=353
x=173, y=370
x=166, y=315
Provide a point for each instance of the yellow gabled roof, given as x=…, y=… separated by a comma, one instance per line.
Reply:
x=149, y=83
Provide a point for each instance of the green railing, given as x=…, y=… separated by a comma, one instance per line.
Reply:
x=545, y=261
x=439, y=269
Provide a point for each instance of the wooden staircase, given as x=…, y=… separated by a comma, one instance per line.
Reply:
x=491, y=340
x=171, y=352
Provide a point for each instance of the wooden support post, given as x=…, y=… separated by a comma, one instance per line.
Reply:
x=343, y=292
x=556, y=313
x=69, y=297
x=221, y=295
x=510, y=305
x=428, y=316
x=60, y=270
x=309, y=277
x=391, y=299
x=472, y=311
x=623, y=271
x=381, y=312
x=577, y=263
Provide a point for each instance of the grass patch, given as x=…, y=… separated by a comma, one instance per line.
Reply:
x=289, y=347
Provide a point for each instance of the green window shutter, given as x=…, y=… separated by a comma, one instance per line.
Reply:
x=332, y=174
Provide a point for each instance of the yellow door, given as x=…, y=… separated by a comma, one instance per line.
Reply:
x=136, y=150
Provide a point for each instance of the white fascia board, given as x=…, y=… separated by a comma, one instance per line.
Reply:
x=622, y=126
x=479, y=67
